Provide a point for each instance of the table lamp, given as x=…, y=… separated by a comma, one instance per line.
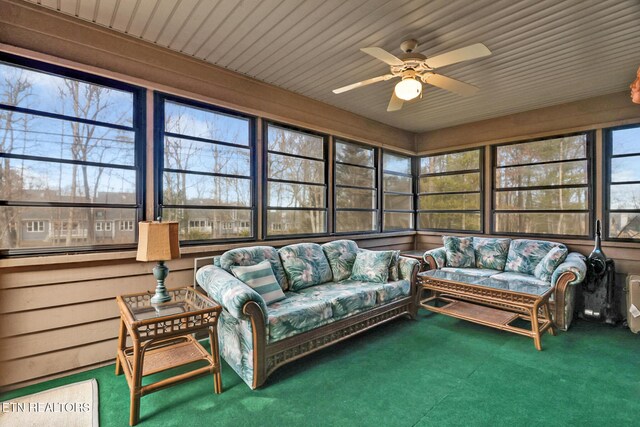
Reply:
x=158, y=241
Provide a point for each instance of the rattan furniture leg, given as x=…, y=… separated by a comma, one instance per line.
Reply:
x=162, y=339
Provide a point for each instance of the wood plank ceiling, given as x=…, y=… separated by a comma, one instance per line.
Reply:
x=545, y=52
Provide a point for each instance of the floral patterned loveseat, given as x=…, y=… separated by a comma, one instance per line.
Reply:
x=322, y=305
x=535, y=262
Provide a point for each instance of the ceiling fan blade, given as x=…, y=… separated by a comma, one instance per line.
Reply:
x=395, y=103
x=382, y=55
x=474, y=51
x=452, y=85
x=363, y=83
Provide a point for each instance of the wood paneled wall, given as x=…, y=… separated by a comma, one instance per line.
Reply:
x=58, y=318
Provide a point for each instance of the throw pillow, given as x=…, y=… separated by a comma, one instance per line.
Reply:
x=545, y=268
x=341, y=255
x=524, y=255
x=491, y=253
x=372, y=266
x=394, y=272
x=260, y=277
x=305, y=264
x=459, y=251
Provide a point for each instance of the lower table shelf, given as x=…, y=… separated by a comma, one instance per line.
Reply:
x=182, y=351
x=469, y=311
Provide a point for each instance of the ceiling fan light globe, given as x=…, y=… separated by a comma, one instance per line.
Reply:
x=408, y=89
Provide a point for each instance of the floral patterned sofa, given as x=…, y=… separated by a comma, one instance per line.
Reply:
x=535, y=262
x=322, y=305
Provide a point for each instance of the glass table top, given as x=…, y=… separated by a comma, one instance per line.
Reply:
x=183, y=300
x=511, y=285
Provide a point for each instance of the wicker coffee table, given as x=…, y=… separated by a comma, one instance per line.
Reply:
x=162, y=339
x=489, y=302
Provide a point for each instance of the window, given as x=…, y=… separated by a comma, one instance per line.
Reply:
x=72, y=148
x=542, y=187
x=450, y=192
x=34, y=226
x=126, y=225
x=622, y=192
x=206, y=169
x=397, y=182
x=296, y=189
x=356, y=202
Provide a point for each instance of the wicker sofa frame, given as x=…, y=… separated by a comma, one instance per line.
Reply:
x=268, y=357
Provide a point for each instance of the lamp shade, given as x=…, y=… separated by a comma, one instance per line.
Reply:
x=158, y=241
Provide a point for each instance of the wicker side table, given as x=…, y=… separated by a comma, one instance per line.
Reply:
x=417, y=254
x=162, y=339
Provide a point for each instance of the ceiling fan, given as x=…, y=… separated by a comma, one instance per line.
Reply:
x=414, y=67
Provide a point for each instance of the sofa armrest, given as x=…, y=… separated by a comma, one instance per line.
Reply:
x=231, y=293
x=435, y=258
x=574, y=264
x=406, y=267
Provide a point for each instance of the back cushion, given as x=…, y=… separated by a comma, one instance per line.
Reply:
x=491, y=253
x=341, y=255
x=305, y=265
x=525, y=255
x=545, y=268
x=459, y=251
x=252, y=256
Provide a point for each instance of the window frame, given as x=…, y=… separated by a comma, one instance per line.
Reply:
x=481, y=192
x=265, y=180
x=590, y=155
x=138, y=128
x=159, y=99
x=383, y=192
x=377, y=188
x=607, y=156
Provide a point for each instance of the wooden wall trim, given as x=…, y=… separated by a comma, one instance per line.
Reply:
x=600, y=112
x=35, y=32
x=184, y=250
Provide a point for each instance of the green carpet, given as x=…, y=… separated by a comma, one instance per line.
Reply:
x=433, y=371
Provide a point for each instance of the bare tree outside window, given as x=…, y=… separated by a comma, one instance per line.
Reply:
x=206, y=179
x=542, y=187
x=449, y=191
x=68, y=159
x=623, y=177
x=397, y=185
x=296, y=187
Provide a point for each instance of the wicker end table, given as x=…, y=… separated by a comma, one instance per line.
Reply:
x=162, y=339
x=416, y=254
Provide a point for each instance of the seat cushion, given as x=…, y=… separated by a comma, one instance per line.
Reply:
x=473, y=272
x=459, y=251
x=491, y=253
x=372, y=266
x=545, y=268
x=346, y=298
x=260, y=278
x=252, y=256
x=525, y=279
x=341, y=255
x=385, y=292
x=524, y=255
x=305, y=265
x=296, y=314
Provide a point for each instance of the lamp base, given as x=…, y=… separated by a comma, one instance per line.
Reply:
x=160, y=272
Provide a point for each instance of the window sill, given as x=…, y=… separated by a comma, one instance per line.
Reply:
x=188, y=250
